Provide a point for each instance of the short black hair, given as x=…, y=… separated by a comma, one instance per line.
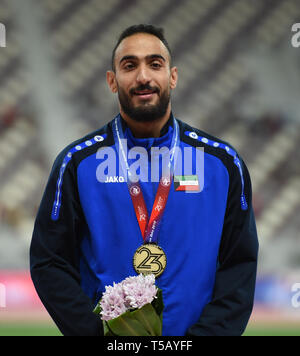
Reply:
x=141, y=28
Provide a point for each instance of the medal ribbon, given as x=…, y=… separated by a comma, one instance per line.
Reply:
x=149, y=227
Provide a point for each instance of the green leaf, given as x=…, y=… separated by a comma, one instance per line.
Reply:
x=97, y=309
x=106, y=330
x=140, y=322
x=127, y=325
x=158, y=304
x=149, y=318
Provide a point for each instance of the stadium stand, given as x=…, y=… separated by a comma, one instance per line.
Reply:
x=209, y=43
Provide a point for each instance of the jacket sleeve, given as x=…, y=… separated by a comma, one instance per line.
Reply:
x=54, y=256
x=232, y=301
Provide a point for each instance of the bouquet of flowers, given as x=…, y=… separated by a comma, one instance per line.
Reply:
x=132, y=307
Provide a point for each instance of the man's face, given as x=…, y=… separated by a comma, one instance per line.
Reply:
x=143, y=77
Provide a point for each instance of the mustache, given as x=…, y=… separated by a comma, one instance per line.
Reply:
x=144, y=87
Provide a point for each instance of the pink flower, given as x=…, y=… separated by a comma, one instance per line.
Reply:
x=139, y=290
x=131, y=293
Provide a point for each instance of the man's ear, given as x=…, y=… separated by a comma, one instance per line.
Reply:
x=173, y=77
x=111, y=81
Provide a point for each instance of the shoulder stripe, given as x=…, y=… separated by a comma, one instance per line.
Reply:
x=230, y=152
x=211, y=143
x=80, y=146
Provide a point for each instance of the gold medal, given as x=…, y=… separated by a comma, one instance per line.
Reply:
x=150, y=258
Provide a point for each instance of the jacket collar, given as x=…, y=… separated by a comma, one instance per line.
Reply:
x=164, y=139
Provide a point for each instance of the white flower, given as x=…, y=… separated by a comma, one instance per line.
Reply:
x=131, y=293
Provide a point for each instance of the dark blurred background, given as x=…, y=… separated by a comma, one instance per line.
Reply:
x=239, y=79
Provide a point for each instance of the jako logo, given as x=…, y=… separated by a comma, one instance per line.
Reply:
x=296, y=37
x=2, y=35
x=2, y=296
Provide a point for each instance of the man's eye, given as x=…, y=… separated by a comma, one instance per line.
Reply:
x=129, y=66
x=156, y=65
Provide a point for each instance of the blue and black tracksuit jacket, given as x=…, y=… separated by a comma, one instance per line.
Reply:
x=86, y=233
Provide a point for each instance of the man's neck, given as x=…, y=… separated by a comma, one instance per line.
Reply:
x=146, y=129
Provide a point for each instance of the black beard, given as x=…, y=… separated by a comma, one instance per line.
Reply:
x=144, y=113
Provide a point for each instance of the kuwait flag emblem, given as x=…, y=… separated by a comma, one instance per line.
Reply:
x=186, y=183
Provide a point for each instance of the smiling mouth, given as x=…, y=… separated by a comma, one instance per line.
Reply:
x=145, y=93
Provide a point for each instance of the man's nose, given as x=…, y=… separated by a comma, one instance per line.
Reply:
x=143, y=75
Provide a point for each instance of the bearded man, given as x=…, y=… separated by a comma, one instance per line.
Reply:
x=196, y=232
